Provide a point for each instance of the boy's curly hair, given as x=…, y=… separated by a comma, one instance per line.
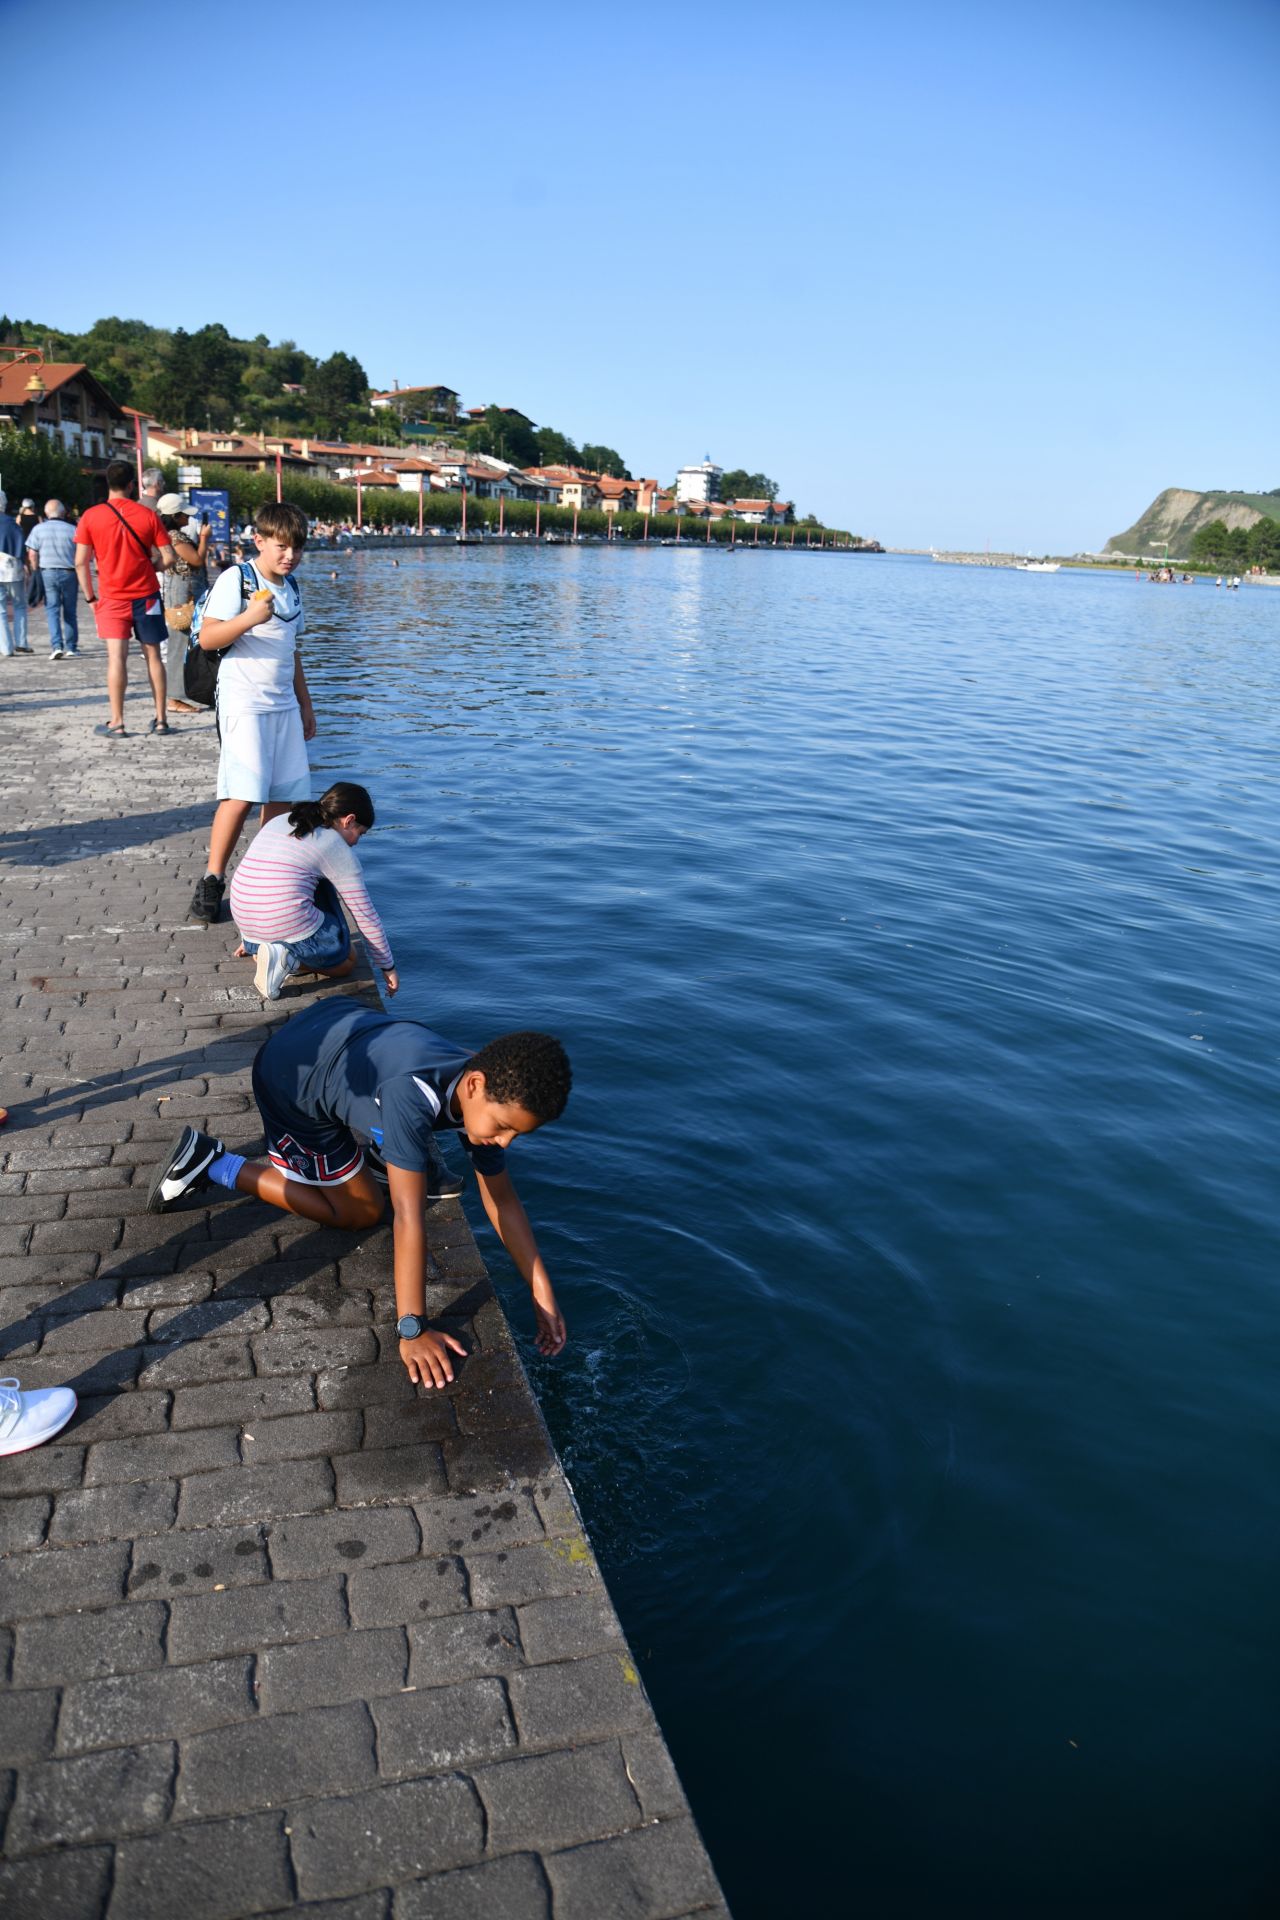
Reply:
x=529, y=1070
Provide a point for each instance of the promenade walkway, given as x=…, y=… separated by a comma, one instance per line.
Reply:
x=279, y=1633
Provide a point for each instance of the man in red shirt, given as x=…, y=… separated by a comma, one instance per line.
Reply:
x=120, y=535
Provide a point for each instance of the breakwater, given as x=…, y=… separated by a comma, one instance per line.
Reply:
x=278, y=1628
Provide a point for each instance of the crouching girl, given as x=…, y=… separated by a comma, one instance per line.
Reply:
x=286, y=891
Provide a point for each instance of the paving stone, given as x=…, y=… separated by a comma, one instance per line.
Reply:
x=119, y=1416
x=114, y=1513
x=196, y=1364
x=462, y=1646
x=86, y=1373
x=393, y=1834
x=298, y=1438
x=321, y=1347
x=386, y=1384
x=86, y=1646
x=652, y=1774
x=26, y=1724
x=70, y=1885
x=293, y=1312
x=656, y=1873
x=276, y=1758
x=70, y=1236
x=562, y=1565
x=241, y=1401
x=324, y=1673
x=567, y=1626
x=479, y=1522
x=198, y=1561
x=413, y=1416
x=165, y=1705
x=56, y=1580
x=557, y=1799
x=218, y=1870
x=512, y=1889
x=309, y=1544
x=396, y=1596
x=179, y=1454
x=578, y=1700
x=245, y=1618
x=44, y=1470
x=34, y=1158
x=388, y=1474
x=23, y=1522
x=442, y=1727
x=256, y=1493
x=169, y=1290
x=96, y=1798
x=205, y=1320
x=60, y=1268
x=26, y=1209
x=94, y=1332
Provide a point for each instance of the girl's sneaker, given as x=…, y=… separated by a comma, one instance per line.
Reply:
x=183, y=1169
x=273, y=967
x=28, y=1418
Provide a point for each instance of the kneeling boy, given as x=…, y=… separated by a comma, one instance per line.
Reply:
x=341, y=1077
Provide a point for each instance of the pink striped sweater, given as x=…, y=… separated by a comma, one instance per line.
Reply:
x=273, y=888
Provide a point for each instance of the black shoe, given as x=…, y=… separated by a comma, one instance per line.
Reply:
x=441, y=1183
x=206, y=901
x=183, y=1169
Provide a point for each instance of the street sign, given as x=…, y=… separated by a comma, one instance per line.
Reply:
x=189, y=477
x=217, y=505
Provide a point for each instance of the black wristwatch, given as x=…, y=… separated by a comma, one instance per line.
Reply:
x=410, y=1325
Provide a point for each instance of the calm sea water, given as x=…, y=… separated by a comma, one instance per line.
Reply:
x=912, y=931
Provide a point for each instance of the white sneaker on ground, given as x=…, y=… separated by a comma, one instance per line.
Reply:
x=28, y=1418
x=271, y=969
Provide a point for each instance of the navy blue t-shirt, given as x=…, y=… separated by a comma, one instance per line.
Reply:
x=385, y=1080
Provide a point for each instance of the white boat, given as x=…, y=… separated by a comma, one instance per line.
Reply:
x=1038, y=566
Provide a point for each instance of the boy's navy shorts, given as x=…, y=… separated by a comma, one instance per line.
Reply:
x=319, y=1154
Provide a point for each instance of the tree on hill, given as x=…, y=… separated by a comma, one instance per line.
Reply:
x=556, y=449
x=506, y=436
x=605, y=460
x=1264, y=545
x=738, y=484
x=337, y=384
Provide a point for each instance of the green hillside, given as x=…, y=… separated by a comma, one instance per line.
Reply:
x=1178, y=514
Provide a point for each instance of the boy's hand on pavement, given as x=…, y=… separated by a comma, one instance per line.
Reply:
x=427, y=1359
x=549, y=1328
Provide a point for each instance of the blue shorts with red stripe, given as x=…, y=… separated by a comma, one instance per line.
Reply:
x=306, y=1149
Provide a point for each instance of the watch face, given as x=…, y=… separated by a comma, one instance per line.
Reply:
x=409, y=1326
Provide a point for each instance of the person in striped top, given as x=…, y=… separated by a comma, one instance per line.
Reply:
x=286, y=892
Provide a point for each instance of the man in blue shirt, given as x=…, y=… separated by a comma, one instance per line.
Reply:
x=51, y=551
x=341, y=1079
x=13, y=585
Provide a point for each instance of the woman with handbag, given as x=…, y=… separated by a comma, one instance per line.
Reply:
x=182, y=586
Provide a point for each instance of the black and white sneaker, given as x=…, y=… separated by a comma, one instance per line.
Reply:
x=206, y=901
x=183, y=1169
x=441, y=1183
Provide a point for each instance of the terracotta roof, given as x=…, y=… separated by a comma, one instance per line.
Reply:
x=416, y=466
x=14, y=375
x=611, y=487
x=371, y=477
x=749, y=506
x=399, y=393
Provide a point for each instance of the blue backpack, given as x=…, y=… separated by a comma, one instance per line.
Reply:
x=200, y=668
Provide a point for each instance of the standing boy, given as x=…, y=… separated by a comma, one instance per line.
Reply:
x=265, y=716
x=340, y=1079
x=120, y=535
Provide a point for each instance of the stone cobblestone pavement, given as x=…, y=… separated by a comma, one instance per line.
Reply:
x=279, y=1632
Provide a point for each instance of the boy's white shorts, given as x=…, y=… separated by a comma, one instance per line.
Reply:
x=264, y=757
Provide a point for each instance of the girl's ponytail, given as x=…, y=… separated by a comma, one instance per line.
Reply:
x=343, y=797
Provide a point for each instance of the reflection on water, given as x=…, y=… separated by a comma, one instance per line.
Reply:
x=911, y=929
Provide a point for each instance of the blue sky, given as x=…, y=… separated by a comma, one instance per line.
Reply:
x=950, y=274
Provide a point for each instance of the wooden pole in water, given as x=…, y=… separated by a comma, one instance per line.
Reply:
x=648, y=517
x=708, y=526
x=575, y=523
x=279, y=479
x=755, y=538
x=775, y=535
x=422, y=478
x=537, y=519
x=464, y=503
x=359, y=503
x=502, y=513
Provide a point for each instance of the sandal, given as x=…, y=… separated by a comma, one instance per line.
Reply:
x=159, y=726
x=112, y=733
